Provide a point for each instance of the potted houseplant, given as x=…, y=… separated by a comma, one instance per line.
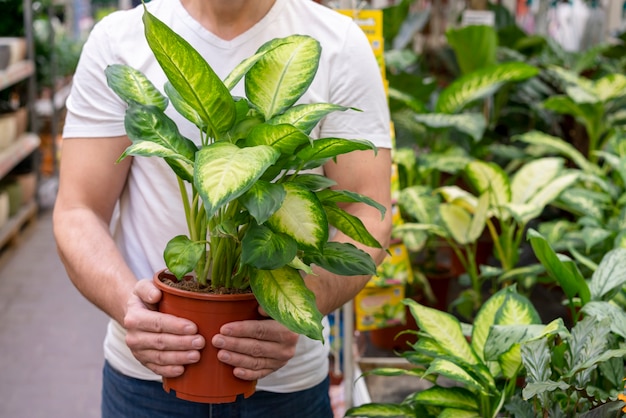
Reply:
x=255, y=220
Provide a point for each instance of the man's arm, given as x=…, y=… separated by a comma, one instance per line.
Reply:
x=370, y=175
x=90, y=184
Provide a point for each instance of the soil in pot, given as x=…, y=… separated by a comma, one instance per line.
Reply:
x=209, y=380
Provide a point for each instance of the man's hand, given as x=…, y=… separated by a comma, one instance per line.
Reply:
x=165, y=343
x=161, y=342
x=255, y=348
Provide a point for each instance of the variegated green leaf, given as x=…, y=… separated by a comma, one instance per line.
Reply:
x=302, y=217
x=182, y=107
x=603, y=310
x=224, y=171
x=133, y=86
x=458, y=413
x=479, y=220
x=454, y=397
x=263, y=249
x=343, y=259
x=381, y=410
x=610, y=275
x=486, y=176
x=325, y=148
x=154, y=134
x=583, y=202
x=456, y=373
x=313, y=182
x=277, y=80
x=554, y=143
x=444, y=329
x=419, y=203
x=459, y=197
x=285, y=138
x=473, y=124
x=552, y=190
x=346, y=196
x=350, y=225
x=610, y=87
x=284, y=296
x=305, y=116
x=190, y=75
x=533, y=389
x=457, y=221
x=480, y=84
x=244, y=66
x=534, y=176
x=394, y=371
x=502, y=337
x=181, y=255
x=263, y=199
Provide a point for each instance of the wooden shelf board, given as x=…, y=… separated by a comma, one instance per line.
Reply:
x=16, y=72
x=17, y=151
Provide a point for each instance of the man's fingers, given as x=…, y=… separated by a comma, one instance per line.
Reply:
x=164, y=342
x=147, y=291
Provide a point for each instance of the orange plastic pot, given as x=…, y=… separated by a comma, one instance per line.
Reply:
x=209, y=380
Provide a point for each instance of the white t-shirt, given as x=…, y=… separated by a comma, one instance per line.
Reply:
x=150, y=211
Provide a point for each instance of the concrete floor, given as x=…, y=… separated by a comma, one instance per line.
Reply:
x=50, y=337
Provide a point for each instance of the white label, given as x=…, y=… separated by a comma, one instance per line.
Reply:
x=478, y=17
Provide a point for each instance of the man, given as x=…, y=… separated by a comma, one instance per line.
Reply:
x=112, y=221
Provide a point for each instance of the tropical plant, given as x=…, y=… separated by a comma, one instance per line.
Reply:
x=573, y=371
x=504, y=204
x=595, y=205
x=255, y=220
x=479, y=386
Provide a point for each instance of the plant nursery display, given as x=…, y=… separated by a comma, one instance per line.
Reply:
x=257, y=217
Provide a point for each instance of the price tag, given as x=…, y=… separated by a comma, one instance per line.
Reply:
x=478, y=17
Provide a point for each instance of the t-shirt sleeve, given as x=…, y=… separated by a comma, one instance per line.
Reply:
x=93, y=109
x=358, y=83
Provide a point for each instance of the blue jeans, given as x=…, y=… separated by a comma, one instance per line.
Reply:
x=127, y=397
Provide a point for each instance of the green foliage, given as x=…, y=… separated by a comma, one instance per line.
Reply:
x=483, y=381
x=253, y=219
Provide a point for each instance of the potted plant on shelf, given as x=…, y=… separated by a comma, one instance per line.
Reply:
x=255, y=220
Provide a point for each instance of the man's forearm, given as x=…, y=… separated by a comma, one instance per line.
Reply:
x=92, y=260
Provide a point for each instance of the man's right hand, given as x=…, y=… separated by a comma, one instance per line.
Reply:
x=161, y=342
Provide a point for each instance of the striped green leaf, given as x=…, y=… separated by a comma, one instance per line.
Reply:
x=190, y=75
x=486, y=176
x=534, y=176
x=350, y=225
x=277, y=80
x=154, y=134
x=554, y=143
x=480, y=84
x=302, y=217
x=224, y=171
x=346, y=196
x=381, y=410
x=133, y=86
x=610, y=275
x=285, y=138
x=473, y=124
x=306, y=116
x=456, y=373
x=444, y=329
x=453, y=397
x=343, y=259
x=325, y=148
x=284, y=296
x=182, y=107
